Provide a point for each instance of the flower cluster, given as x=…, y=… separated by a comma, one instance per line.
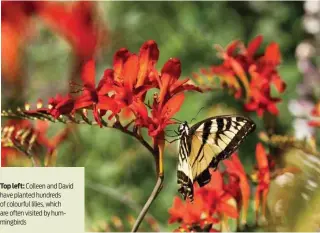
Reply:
x=224, y=197
x=21, y=136
x=243, y=67
x=210, y=204
x=73, y=21
x=124, y=89
x=77, y=23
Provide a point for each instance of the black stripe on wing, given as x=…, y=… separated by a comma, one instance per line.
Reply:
x=239, y=136
x=244, y=130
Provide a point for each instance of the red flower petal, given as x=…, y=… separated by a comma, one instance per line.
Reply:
x=228, y=209
x=107, y=103
x=236, y=66
x=314, y=123
x=234, y=165
x=272, y=54
x=279, y=83
x=216, y=183
x=89, y=74
x=120, y=57
x=172, y=68
x=254, y=45
x=74, y=22
x=149, y=54
x=231, y=48
x=140, y=111
x=130, y=72
x=106, y=83
x=169, y=74
x=261, y=156
x=272, y=108
x=84, y=101
x=186, y=87
x=176, y=211
x=64, y=107
x=172, y=106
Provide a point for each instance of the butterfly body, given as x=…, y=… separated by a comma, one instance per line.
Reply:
x=204, y=145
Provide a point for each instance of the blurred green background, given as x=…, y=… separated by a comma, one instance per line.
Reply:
x=120, y=173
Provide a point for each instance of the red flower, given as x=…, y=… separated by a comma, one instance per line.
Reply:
x=125, y=88
x=8, y=133
x=239, y=62
x=190, y=214
x=316, y=113
x=216, y=197
x=169, y=100
x=60, y=105
x=74, y=21
x=238, y=185
x=161, y=116
x=134, y=74
x=169, y=82
x=211, y=205
x=95, y=98
x=23, y=133
x=15, y=29
x=263, y=179
x=41, y=128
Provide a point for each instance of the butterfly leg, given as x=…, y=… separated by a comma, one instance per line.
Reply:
x=172, y=140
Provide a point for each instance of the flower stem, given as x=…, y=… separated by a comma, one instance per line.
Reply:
x=145, y=208
x=158, y=152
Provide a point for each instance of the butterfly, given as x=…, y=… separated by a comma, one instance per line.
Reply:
x=204, y=145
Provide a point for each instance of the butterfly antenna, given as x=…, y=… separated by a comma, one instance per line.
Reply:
x=196, y=115
x=170, y=130
x=171, y=136
x=172, y=140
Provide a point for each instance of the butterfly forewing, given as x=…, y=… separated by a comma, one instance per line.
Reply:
x=208, y=142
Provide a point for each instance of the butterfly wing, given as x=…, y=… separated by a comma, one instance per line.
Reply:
x=213, y=140
x=185, y=178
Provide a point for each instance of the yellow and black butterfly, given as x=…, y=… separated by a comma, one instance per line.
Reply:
x=205, y=144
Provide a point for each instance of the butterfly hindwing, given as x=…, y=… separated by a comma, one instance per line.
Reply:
x=211, y=141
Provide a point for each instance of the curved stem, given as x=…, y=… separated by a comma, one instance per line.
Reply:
x=145, y=208
x=158, y=155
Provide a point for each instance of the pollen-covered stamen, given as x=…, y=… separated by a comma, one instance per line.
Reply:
x=50, y=106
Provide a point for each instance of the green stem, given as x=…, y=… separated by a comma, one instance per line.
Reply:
x=146, y=207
